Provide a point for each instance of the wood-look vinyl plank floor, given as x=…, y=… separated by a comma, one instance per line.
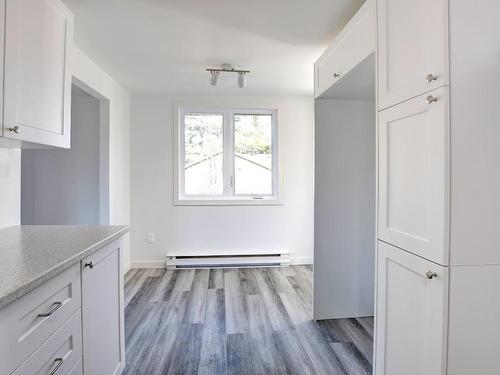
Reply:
x=237, y=321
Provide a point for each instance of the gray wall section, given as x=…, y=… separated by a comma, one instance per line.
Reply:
x=62, y=186
x=344, y=217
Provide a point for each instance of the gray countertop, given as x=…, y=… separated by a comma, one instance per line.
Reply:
x=32, y=254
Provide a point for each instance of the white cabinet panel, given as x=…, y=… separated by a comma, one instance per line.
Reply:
x=37, y=91
x=414, y=176
x=353, y=44
x=412, y=43
x=475, y=120
x=474, y=339
x=77, y=370
x=27, y=322
x=102, y=310
x=2, y=54
x=59, y=354
x=411, y=316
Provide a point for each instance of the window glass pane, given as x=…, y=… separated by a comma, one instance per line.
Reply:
x=253, y=159
x=203, y=154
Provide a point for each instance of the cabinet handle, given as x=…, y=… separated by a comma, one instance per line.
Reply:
x=431, y=99
x=430, y=275
x=14, y=129
x=58, y=362
x=430, y=77
x=89, y=264
x=57, y=305
x=336, y=75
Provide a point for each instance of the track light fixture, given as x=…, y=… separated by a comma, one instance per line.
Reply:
x=214, y=74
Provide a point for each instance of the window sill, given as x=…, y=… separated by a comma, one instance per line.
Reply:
x=228, y=202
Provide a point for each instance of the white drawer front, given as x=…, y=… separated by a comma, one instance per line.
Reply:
x=23, y=324
x=63, y=350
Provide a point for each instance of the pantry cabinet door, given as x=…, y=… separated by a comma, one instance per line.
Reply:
x=411, y=314
x=412, y=48
x=37, y=96
x=413, y=160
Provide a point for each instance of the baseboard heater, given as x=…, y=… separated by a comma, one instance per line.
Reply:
x=272, y=259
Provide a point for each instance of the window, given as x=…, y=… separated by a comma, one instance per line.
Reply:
x=226, y=157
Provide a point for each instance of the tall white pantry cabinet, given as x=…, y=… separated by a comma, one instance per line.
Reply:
x=438, y=253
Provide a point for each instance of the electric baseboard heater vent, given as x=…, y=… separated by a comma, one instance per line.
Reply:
x=271, y=259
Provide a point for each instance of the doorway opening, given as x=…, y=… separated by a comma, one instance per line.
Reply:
x=71, y=186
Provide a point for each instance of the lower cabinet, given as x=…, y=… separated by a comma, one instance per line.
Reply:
x=59, y=354
x=102, y=312
x=71, y=324
x=411, y=314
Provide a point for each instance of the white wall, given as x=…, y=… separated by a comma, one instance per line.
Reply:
x=10, y=191
x=61, y=186
x=92, y=76
x=185, y=230
x=344, y=213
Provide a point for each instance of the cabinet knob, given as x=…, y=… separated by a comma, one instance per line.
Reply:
x=336, y=75
x=430, y=274
x=430, y=77
x=14, y=129
x=431, y=99
x=89, y=264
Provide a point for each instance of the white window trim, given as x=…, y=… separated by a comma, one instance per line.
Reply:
x=224, y=200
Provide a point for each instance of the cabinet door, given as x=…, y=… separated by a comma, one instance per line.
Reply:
x=414, y=176
x=412, y=44
x=102, y=309
x=37, y=97
x=411, y=314
x=353, y=45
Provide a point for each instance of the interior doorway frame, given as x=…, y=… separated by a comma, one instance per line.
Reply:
x=104, y=135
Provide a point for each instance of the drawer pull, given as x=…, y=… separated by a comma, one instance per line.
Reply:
x=54, y=308
x=89, y=264
x=58, y=362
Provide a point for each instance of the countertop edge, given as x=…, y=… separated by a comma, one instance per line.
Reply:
x=24, y=289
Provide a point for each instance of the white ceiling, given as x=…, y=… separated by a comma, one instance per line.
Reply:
x=165, y=45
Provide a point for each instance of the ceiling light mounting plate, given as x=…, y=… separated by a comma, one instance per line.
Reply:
x=227, y=68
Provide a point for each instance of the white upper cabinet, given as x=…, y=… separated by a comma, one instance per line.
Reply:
x=411, y=317
x=353, y=44
x=37, y=83
x=414, y=175
x=412, y=49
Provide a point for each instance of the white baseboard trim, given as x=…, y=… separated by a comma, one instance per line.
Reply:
x=296, y=261
x=301, y=261
x=126, y=267
x=148, y=264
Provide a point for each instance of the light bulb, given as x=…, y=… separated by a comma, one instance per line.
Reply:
x=214, y=78
x=242, y=80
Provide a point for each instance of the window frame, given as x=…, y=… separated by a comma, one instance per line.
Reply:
x=229, y=196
